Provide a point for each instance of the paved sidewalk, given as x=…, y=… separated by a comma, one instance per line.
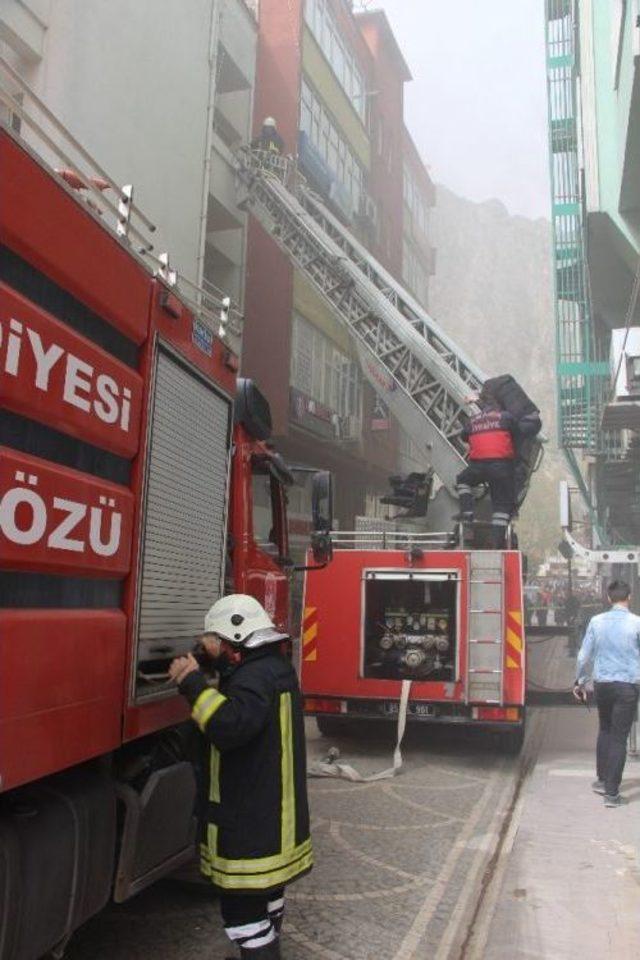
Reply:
x=568, y=882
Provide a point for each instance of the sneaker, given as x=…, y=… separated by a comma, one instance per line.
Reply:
x=598, y=787
x=610, y=801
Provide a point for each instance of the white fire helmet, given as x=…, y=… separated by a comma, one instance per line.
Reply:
x=268, y=122
x=242, y=621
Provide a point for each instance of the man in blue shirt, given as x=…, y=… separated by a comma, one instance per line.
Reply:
x=610, y=655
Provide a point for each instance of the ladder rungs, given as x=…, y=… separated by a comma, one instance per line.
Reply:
x=492, y=642
x=486, y=671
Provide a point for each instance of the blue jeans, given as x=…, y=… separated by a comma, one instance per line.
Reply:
x=617, y=708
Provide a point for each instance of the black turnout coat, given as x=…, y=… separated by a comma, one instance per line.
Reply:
x=255, y=835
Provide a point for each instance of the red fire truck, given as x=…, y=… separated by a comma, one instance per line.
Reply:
x=117, y=445
x=399, y=603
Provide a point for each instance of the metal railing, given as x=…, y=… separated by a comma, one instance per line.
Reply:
x=51, y=140
x=582, y=367
x=392, y=540
x=36, y=125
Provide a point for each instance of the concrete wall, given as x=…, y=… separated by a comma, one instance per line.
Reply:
x=616, y=108
x=135, y=83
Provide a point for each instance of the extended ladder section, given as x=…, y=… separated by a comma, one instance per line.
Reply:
x=412, y=364
x=486, y=627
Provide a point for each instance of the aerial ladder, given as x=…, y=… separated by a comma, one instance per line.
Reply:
x=419, y=372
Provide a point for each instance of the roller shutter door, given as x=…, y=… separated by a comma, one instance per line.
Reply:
x=185, y=516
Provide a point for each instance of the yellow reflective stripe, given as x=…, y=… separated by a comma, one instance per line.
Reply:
x=209, y=849
x=214, y=775
x=259, y=864
x=288, y=792
x=205, y=864
x=205, y=706
x=262, y=881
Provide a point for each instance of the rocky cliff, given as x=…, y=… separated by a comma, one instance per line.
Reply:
x=493, y=291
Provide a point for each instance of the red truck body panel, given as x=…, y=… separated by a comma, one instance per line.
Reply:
x=332, y=636
x=42, y=221
x=60, y=689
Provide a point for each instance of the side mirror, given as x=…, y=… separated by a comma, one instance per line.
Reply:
x=321, y=547
x=322, y=502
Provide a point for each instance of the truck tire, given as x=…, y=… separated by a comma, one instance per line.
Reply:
x=332, y=726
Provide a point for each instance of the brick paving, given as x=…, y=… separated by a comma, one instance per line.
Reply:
x=395, y=862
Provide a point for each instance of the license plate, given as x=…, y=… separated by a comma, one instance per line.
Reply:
x=414, y=709
x=421, y=709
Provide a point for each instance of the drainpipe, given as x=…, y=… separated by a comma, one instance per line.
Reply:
x=214, y=35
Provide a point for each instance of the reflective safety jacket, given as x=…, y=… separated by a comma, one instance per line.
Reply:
x=255, y=833
x=490, y=435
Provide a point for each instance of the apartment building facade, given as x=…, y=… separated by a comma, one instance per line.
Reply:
x=593, y=57
x=334, y=81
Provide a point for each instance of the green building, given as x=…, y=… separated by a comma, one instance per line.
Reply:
x=593, y=79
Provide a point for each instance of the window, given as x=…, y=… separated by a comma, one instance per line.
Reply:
x=318, y=124
x=415, y=201
x=323, y=372
x=323, y=26
x=267, y=527
x=413, y=273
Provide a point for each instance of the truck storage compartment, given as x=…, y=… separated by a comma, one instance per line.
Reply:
x=410, y=625
x=184, y=526
x=57, y=851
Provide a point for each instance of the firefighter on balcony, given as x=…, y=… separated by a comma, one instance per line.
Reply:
x=255, y=836
x=269, y=138
x=491, y=460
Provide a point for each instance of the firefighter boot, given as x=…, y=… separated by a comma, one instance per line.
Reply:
x=271, y=951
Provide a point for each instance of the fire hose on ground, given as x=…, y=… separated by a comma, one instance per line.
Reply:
x=333, y=768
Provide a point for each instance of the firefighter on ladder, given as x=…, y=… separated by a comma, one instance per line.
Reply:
x=269, y=138
x=255, y=836
x=490, y=434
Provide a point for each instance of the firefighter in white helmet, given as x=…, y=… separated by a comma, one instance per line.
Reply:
x=255, y=837
x=269, y=138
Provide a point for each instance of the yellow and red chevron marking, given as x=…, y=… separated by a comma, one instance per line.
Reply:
x=514, y=640
x=310, y=633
